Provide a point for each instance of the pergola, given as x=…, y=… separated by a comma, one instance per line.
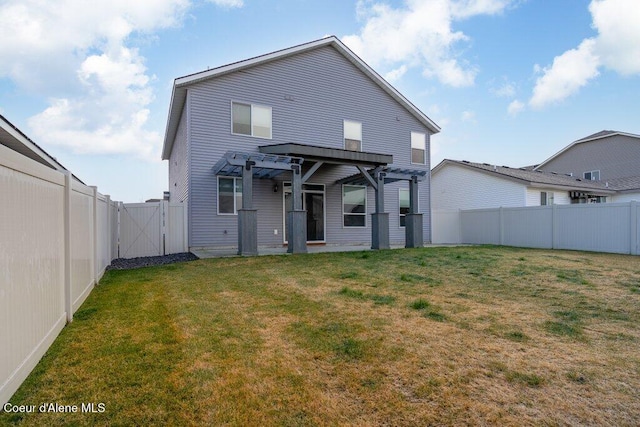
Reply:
x=272, y=160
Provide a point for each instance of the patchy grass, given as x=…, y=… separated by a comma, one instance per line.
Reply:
x=444, y=336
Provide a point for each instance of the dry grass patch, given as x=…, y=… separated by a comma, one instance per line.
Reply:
x=447, y=336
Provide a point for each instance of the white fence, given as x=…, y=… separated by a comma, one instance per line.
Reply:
x=151, y=229
x=607, y=227
x=57, y=236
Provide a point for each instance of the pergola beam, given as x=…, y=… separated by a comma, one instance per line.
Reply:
x=311, y=171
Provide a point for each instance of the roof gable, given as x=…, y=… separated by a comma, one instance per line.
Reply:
x=181, y=84
x=598, y=135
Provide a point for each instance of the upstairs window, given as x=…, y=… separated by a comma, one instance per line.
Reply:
x=352, y=135
x=354, y=205
x=418, y=148
x=250, y=119
x=592, y=176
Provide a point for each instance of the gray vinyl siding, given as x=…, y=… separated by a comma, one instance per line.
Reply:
x=326, y=89
x=616, y=156
x=179, y=164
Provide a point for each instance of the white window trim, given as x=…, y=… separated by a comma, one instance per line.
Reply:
x=549, y=198
x=399, y=215
x=350, y=213
x=592, y=172
x=235, y=207
x=344, y=145
x=251, y=124
x=424, y=156
x=286, y=188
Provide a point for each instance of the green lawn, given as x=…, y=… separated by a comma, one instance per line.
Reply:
x=447, y=336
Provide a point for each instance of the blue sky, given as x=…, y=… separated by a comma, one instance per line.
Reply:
x=510, y=82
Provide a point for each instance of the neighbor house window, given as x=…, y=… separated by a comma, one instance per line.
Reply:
x=546, y=198
x=229, y=195
x=404, y=205
x=354, y=205
x=592, y=176
x=418, y=148
x=352, y=135
x=250, y=119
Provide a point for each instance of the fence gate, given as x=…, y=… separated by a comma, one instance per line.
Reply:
x=140, y=230
x=152, y=229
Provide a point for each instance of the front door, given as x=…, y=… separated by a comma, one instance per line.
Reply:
x=313, y=203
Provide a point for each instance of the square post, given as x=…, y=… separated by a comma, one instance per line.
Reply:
x=413, y=220
x=247, y=216
x=380, y=219
x=296, y=218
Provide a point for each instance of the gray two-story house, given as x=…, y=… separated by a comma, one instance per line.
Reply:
x=608, y=157
x=306, y=145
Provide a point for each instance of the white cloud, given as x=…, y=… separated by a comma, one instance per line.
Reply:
x=227, y=3
x=110, y=117
x=469, y=116
x=617, y=47
x=396, y=74
x=43, y=43
x=507, y=90
x=77, y=54
x=64, y=123
x=515, y=107
x=568, y=73
x=419, y=34
x=618, y=41
x=469, y=8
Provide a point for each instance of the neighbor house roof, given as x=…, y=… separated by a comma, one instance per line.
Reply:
x=626, y=184
x=593, y=137
x=531, y=177
x=180, y=85
x=12, y=137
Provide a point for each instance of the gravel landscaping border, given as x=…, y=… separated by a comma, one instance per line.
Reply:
x=149, y=261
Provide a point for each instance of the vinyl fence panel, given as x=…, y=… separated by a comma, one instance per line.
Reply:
x=609, y=227
x=32, y=241
x=481, y=226
x=175, y=228
x=528, y=227
x=445, y=226
x=140, y=230
x=82, y=250
x=152, y=229
x=594, y=227
x=57, y=236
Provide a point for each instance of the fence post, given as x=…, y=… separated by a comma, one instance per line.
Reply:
x=95, y=234
x=501, y=221
x=633, y=249
x=68, y=304
x=108, y=242
x=554, y=228
x=185, y=226
x=164, y=218
x=119, y=226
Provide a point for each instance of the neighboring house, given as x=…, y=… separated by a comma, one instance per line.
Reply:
x=303, y=145
x=13, y=138
x=466, y=185
x=608, y=156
